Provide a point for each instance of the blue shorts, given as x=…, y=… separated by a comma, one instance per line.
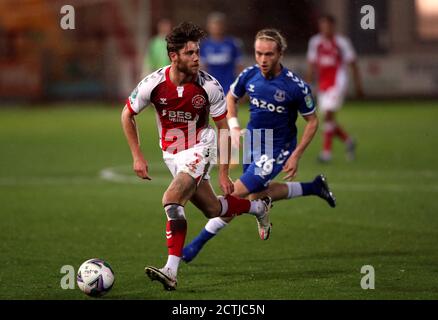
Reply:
x=258, y=174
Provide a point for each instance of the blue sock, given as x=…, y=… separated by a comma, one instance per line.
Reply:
x=202, y=238
x=308, y=188
x=192, y=249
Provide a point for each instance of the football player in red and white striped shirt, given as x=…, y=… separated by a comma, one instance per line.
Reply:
x=184, y=97
x=330, y=54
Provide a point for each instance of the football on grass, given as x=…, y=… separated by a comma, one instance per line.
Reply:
x=95, y=277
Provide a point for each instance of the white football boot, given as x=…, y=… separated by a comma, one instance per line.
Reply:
x=263, y=223
x=164, y=275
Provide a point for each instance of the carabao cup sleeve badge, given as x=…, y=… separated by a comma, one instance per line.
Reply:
x=309, y=101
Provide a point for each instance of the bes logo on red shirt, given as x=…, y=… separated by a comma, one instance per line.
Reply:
x=199, y=101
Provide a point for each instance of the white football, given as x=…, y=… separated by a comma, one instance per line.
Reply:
x=95, y=277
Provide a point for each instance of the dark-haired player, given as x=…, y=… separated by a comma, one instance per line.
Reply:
x=184, y=97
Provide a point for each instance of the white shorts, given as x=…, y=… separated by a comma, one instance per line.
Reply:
x=196, y=161
x=331, y=99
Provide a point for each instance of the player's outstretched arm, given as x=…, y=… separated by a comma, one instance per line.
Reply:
x=224, y=151
x=140, y=165
x=291, y=166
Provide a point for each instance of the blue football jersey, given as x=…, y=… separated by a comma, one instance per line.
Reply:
x=274, y=103
x=221, y=59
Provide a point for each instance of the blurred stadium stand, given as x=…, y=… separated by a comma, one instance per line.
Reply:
x=103, y=57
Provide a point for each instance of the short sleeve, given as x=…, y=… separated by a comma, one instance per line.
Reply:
x=218, y=106
x=238, y=88
x=139, y=98
x=348, y=52
x=305, y=100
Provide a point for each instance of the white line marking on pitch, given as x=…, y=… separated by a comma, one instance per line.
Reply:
x=111, y=174
x=38, y=181
x=117, y=175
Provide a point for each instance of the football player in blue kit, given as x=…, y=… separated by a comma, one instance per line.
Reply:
x=276, y=97
x=221, y=54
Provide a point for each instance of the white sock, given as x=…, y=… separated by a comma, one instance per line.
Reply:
x=257, y=207
x=215, y=225
x=173, y=263
x=295, y=190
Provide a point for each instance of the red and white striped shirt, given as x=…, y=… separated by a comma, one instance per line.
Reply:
x=181, y=110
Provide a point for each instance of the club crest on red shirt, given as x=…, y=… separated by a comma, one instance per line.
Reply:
x=199, y=101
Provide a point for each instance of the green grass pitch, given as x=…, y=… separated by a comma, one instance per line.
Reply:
x=56, y=209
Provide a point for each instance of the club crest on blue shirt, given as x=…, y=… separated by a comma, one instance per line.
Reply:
x=280, y=95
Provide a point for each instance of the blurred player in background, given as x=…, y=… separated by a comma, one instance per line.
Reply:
x=157, y=54
x=184, y=97
x=329, y=54
x=221, y=55
x=276, y=97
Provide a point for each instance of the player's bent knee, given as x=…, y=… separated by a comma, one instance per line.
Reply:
x=213, y=210
x=165, y=200
x=218, y=209
x=240, y=190
x=169, y=197
x=174, y=211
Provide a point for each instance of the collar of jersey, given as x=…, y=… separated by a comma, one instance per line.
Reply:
x=170, y=83
x=282, y=72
